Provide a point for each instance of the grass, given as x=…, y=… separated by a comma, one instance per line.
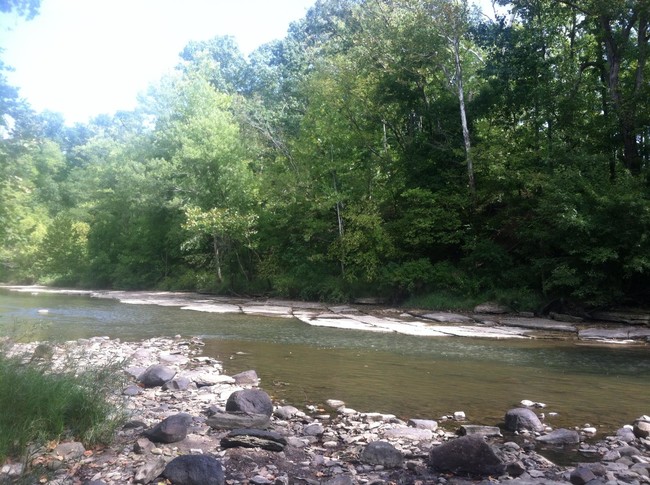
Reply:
x=40, y=407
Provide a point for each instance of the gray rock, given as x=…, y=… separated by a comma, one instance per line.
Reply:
x=469, y=429
x=70, y=450
x=519, y=419
x=467, y=455
x=423, y=424
x=156, y=375
x=446, y=317
x=177, y=384
x=581, y=475
x=625, y=434
x=171, y=429
x=491, y=308
x=150, y=470
x=641, y=428
x=132, y=390
x=238, y=420
x=94, y=482
x=561, y=436
x=622, y=333
x=287, y=412
x=382, y=453
x=253, y=401
x=195, y=470
x=314, y=429
x=142, y=446
x=254, y=438
x=538, y=324
x=340, y=480
x=414, y=434
x=248, y=377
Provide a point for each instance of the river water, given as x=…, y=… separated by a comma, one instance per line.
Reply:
x=412, y=377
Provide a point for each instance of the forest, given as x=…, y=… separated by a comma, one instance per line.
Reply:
x=412, y=150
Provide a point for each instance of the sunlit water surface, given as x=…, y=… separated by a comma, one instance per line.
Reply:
x=425, y=377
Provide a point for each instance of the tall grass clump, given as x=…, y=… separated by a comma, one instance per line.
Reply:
x=38, y=406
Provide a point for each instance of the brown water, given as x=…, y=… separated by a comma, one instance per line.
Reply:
x=407, y=376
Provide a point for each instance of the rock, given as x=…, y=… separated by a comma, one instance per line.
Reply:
x=625, y=434
x=335, y=403
x=287, y=412
x=621, y=333
x=195, y=470
x=539, y=324
x=516, y=468
x=565, y=317
x=253, y=438
x=445, y=317
x=561, y=436
x=466, y=455
x=70, y=450
x=314, y=429
x=253, y=401
x=171, y=429
x=519, y=419
x=150, y=470
x=460, y=416
x=423, y=424
x=471, y=429
x=491, y=308
x=132, y=390
x=156, y=375
x=177, y=384
x=238, y=420
x=641, y=428
x=581, y=475
x=414, y=434
x=630, y=316
x=248, y=377
x=143, y=446
x=382, y=453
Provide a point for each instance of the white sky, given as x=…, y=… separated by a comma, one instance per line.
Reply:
x=87, y=57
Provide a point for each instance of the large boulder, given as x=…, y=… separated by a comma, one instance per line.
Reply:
x=195, y=470
x=171, y=429
x=382, y=453
x=641, y=427
x=519, y=419
x=156, y=375
x=252, y=401
x=466, y=455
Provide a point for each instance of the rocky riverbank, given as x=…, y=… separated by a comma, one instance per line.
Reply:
x=486, y=321
x=188, y=423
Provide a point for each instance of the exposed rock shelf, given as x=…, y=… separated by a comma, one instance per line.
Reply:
x=496, y=324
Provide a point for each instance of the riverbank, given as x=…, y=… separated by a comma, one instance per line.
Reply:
x=488, y=321
x=327, y=443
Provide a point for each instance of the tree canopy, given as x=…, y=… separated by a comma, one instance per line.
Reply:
x=396, y=149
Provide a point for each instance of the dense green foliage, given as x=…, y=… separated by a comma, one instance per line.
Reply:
x=395, y=148
x=38, y=407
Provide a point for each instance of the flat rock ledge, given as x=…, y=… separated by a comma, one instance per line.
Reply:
x=327, y=444
x=488, y=320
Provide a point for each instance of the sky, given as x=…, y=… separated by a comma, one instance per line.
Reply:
x=82, y=58
x=86, y=57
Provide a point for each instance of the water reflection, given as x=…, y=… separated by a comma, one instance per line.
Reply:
x=407, y=376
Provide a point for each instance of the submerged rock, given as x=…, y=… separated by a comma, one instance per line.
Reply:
x=560, y=437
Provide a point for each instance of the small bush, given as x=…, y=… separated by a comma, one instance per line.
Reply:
x=38, y=406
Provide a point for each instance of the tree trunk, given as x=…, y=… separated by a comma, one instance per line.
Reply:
x=463, y=117
x=217, y=258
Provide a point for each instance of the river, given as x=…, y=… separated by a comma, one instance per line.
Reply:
x=412, y=377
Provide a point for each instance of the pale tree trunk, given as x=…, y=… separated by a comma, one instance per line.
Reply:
x=463, y=117
x=217, y=258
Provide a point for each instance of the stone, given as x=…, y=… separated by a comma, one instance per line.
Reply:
x=132, y=390
x=70, y=450
x=581, y=475
x=641, y=428
x=238, y=420
x=195, y=470
x=171, y=429
x=254, y=438
x=314, y=429
x=288, y=412
x=625, y=434
x=156, y=375
x=413, y=434
x=382, y=453
x=177, y=384
x=150, y=470
x=466, y=455
x=491, y=308
x=561, y=436
x=253, y=401
x=539, y=324
x=248, y=377
x=471, y=429
x=142, y=446
x=519, y=419
x=423, y=424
